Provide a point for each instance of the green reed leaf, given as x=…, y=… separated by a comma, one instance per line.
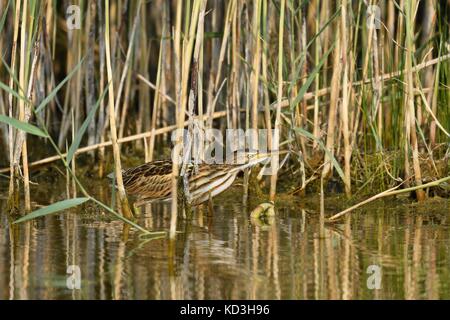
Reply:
x=28, y=128
x=311, y=78
x=53, y=208
x=58, y=87
x=12, y=92
x=77, y=140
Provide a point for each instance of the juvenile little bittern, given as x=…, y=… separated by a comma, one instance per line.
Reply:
x=152, y=181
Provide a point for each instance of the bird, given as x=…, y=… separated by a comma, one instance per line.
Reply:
x=152, y=181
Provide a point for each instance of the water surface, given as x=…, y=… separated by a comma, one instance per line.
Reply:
x=223, y=255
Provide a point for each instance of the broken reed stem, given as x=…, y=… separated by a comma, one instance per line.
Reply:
x=125, y=208
x=387, y=193
x=157, y=90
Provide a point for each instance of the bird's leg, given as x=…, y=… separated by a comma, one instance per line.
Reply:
x=136, y=209
x=255, y=190
x=186, y=188
x=210, y=205
x=181, y=197
x=245, y=186
x=188, y=210
x=184, y=196
x=187, y=197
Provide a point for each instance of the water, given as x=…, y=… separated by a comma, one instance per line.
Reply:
x=223, y=255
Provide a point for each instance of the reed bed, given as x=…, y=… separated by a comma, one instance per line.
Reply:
x=358, y=90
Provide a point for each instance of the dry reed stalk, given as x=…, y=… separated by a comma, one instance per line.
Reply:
x=197, y=84
x=125, y=208
x=126, y=67
x=369, y=42
x=178, y=138
x=75, y=97
x=429, y=76
x=143, y=64
x=13, y=194
x=334, y=95
x=73, y=162
x=89, y=76
x=28, y=111
x=216, y=84
x=376, y=111
x=20, y=142
x=302, y=108
x=156, y=103
x=325, y=37
x=126, y=102
x=167, y=74
x=158, y=91
x=188, y=50
x=234, y=73
x=265, y=60
x=316, y=123
x=378, y=88
x=68, y=177
x=434, y=109
x=4, y=128
x=410, y=115
x=356, y=117
x=390, y=23
x=322, y=210
x=275, y=142
x=49, y=24
x=400, y=32
x=345, y=99
x=247, y=37
x=101, y=127
x=256, y=67
x=71, y=89
x=390, y=192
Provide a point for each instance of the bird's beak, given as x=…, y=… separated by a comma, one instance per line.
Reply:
x=263, y=156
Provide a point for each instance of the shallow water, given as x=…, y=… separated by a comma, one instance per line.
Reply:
x=223, y=255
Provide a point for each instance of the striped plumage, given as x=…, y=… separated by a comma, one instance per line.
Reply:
x=152, y=181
